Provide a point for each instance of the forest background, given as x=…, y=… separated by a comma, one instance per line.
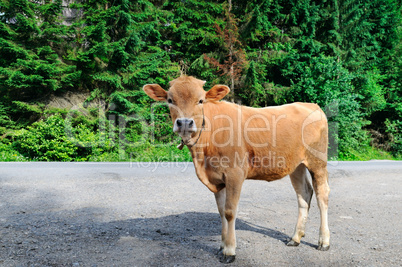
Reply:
x=344, y=55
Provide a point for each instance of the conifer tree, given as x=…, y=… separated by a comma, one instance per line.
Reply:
x=31, y=37
x=317, y=51
x=234, y=57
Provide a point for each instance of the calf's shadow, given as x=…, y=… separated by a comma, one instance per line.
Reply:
x=195, y=230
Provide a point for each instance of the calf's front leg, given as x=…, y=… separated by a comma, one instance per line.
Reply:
x=227, y=200
x=220, y=198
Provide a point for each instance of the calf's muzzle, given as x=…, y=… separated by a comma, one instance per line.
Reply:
x=184, y=125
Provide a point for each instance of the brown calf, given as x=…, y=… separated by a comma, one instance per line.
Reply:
x=230, y=143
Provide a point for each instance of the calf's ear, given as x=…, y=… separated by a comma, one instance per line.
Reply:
x=155, y=92
x=217, y=92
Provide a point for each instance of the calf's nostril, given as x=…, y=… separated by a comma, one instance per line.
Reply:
x=191, y=123
x=179, y=123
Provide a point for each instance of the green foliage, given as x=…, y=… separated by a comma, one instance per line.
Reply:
x=394, y=130
x=111, y=138
x=7, y=153
x=58, y=139
x=45, y=141
x=29, y=64
x=252, y=89
x=190, y=26
x=367, y=153
x=344, y=55
x=5, y=120
x=328, y=84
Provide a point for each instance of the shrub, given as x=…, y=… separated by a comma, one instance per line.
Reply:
x=45, y=141
x=7, y=153
x=394, y=130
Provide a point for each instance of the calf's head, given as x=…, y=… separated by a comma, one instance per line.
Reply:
x=186, y=98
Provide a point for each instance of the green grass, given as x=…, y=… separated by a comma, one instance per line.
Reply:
x=147, y=153
x=367, y=153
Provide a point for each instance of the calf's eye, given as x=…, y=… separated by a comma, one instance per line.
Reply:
x=201, y=101
x=170, y=101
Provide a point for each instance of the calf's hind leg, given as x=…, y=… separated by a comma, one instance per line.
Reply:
x=321, y=188
x=304, y=193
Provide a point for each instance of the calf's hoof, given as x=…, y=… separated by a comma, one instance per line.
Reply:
x=292, y=243
x=225, y=258
x=323, y=248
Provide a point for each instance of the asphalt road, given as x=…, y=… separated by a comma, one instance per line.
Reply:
x=143, y=214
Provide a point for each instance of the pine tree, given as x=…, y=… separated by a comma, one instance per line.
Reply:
x=31, y=37
x=189, y=28
x=252, y=90
x=118, y=46
x=234, y=57
x=261, y=22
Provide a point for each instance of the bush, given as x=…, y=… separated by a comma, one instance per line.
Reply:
x=46, y=141
x=394, y=130
x=74, y=139
x=7, y=153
